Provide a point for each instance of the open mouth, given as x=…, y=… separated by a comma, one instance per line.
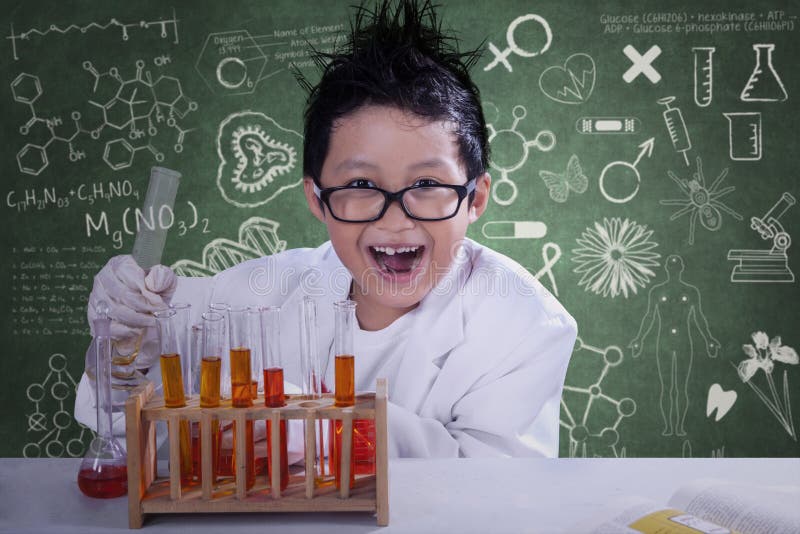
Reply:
x=397, y=260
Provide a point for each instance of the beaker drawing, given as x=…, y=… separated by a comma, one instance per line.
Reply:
x=764, y=84
x=744, y=135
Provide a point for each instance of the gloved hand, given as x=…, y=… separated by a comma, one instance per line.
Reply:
x=132, y=297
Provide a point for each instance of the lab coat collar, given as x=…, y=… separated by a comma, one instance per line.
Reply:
x=439, y=328
x=436, y=331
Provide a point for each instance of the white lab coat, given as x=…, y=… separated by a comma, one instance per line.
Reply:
x=483, y=369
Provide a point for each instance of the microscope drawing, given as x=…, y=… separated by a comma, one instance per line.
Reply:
x=766, y=266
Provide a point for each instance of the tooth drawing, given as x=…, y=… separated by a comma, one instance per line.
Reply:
x=720, y=400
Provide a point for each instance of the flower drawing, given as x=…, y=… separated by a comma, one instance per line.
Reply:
x=615, y=257
x=762, y=355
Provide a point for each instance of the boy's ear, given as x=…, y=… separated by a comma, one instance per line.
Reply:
x=483, y=188
x=314, y=203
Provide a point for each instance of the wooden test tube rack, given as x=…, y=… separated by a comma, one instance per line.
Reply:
x=149, y=494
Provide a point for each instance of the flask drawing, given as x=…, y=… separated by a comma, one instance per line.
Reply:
x=764, y=84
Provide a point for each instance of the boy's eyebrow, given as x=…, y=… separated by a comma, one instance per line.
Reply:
x=351, y=164
x=355, y=163
x=427, y=164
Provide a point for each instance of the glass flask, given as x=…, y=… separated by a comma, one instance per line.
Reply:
x=103, y=472
x=764, y=84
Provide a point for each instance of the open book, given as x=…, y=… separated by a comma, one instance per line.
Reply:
x=707, y=506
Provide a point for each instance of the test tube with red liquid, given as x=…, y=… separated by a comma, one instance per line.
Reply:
x=274, y=396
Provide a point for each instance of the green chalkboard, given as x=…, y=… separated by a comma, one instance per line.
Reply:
x=642, y=167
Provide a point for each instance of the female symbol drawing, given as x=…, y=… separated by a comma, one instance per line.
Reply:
x=673, y=306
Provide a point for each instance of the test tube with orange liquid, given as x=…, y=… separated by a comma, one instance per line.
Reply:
x=344, y=392
x=211, y=351
x=244, y=330
x=274, y=396
x=169, y=335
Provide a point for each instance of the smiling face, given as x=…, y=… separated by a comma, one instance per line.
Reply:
x=395, y=261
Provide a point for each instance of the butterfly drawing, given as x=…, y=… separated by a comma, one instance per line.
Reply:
x=560, y=184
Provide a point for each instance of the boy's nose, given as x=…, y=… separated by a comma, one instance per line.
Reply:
x=395, y=218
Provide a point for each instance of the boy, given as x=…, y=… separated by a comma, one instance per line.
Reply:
x=395, y=156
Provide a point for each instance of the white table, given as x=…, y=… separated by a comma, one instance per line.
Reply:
x=459, y=495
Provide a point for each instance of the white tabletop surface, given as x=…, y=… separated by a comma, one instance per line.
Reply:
x=458, y=495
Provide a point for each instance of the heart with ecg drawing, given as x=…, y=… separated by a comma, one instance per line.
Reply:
x=571, y=83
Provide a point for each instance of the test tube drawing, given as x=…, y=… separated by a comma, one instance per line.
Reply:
x=676, y=127
x=274, y=396
x=703, y=75
x=744, y=135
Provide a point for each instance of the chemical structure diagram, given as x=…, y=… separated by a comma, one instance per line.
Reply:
x=510, y=151
x=585, y=407
x=139, y=105
x=61, y=386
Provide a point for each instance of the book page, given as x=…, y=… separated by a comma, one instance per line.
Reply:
x=751, y=509
x=635, y=515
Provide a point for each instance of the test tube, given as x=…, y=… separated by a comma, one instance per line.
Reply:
x=311, y=368
x=344, y=394
x=703, y=75
x=309, y=357
x=225, y=373
x=241, y=344
x=182, y=321
x=274, y=396
x=171, y=338
x=344, y=323
x=242, y=341
x=171, y=375
x=212, y=347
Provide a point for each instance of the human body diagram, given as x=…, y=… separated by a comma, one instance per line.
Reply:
x=673, y=306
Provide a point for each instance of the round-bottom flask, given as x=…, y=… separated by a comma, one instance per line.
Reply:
x=103, y=473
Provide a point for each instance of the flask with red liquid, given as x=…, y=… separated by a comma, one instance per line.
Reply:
x=104, y=470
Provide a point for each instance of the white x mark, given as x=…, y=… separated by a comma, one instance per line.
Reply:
x=642, y=64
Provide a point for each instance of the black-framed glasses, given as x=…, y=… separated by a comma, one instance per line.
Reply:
x=435, y=202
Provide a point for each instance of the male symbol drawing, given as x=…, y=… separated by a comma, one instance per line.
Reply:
x=673, y=306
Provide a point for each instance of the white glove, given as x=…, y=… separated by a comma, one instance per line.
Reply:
x=132, y=297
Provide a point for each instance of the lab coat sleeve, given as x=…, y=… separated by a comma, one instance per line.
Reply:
x=412, y=436
x=513, y=410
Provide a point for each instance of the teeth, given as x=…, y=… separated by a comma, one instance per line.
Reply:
x=390, y=251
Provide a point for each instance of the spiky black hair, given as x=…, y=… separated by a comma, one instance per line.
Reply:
x=397, y=55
